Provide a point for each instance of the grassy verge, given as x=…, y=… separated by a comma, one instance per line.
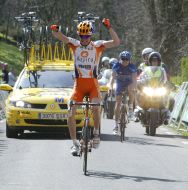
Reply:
x=11, y=55
x=9, y=39
x=182, y=130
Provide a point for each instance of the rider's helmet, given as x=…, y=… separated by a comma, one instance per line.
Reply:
x=105, y=59
x=146, y=52
x=125, y=55
x=5, y=66
x=154, y=55
x=85, y=28
x=112, y=61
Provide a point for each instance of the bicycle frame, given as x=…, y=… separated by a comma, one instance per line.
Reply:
x=86, y=132
x=123, y=115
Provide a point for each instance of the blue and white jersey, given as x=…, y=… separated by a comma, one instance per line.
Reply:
x=124, y=73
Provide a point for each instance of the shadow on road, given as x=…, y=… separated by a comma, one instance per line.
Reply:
x=43, y=136
x=114, y=176
x=172, y=136
x=3, y=146
x=147, y=141
x=109, y=137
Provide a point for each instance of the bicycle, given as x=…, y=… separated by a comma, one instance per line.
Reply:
x=86, y=134
x=27, y=20
x=123, y=115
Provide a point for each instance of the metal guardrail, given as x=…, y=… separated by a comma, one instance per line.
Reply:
x=179, y=115
x=3, y=96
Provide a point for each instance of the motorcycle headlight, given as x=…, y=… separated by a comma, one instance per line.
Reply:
x=148, y=91
x=154, y=91
x=160, y=91
x=20, y=104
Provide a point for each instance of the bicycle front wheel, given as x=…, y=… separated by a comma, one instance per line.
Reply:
x=122, y=124
x=86, y=135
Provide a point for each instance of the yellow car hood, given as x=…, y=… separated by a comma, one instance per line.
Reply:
x=41, y=95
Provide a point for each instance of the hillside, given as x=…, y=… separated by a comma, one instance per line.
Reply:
x=11, y=55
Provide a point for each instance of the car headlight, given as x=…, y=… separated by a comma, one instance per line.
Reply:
x=154, y=91
x=20, y=104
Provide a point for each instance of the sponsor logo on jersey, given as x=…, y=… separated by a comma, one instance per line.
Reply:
x=84, y=53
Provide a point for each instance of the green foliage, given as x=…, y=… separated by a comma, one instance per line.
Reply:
x=11, y=55
x=183, y=76
x=10, y=39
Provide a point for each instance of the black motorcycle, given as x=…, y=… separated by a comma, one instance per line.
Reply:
x=152, y=99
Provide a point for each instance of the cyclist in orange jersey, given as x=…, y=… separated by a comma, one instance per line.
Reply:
x=87, y=54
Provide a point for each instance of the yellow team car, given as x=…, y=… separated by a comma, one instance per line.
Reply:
x=38, y=101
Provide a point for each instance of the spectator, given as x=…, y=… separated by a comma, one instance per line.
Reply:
x=11, y=78
x=5, y=73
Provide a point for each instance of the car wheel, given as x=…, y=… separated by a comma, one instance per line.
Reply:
x=11, y=133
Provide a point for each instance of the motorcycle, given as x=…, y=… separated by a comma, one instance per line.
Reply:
x=108, y=100
x=152, y=99
x=109, y=105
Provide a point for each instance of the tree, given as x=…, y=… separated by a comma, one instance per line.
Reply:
x=168, y=29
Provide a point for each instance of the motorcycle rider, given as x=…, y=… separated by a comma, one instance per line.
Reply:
x=124, y=73
x=154, y=59
x=145, y=55
x=103, y=65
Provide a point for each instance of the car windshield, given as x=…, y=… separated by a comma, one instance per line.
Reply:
x=46, y=79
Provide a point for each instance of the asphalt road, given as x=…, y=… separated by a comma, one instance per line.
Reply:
x=43, y=162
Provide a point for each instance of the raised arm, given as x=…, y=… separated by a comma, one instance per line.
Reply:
x=115, y=41
x=59, y=35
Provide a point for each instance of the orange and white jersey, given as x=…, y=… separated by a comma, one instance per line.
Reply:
x=86, y=58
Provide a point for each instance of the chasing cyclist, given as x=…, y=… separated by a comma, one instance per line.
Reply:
x=87, y=54
x=125, y=74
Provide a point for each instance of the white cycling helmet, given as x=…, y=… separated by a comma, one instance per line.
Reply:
x=147, y=51
x=112, y=61
x=105, y=59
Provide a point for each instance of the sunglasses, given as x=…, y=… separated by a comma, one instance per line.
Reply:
x=154, y=59
x=124, y=59
x=85, y=36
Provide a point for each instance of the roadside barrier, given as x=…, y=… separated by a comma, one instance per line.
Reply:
x=3, y=96
x=179, y=114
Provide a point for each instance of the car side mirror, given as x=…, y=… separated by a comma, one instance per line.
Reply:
x=6, y=87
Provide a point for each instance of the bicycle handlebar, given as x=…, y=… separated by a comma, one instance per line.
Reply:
x=86, y=103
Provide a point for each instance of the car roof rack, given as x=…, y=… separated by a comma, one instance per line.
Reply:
x=57, y=55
